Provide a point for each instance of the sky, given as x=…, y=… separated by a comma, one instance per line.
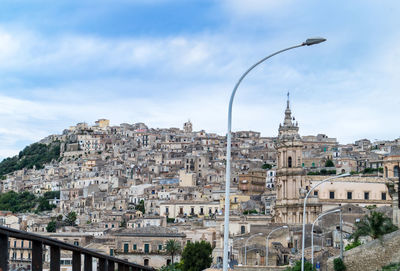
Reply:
x=163, y=62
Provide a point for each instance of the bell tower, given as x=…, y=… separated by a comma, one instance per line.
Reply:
x=290, y=175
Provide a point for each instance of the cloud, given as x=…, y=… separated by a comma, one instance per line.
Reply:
x=50, y=82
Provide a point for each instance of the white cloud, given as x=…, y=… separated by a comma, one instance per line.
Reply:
x=165, y=81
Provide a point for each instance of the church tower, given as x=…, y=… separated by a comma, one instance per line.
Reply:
x=290, y=175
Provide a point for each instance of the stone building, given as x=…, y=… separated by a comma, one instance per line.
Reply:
x=146, y=245
x=252, y=182
x=290, y=175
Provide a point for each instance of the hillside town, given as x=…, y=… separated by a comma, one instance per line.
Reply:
x=127, y=190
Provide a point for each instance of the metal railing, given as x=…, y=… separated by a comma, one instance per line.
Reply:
x=105, y=262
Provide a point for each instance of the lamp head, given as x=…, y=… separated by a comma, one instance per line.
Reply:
x=313, y=41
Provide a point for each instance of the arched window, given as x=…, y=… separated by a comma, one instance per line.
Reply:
x=396, y=171
x=289, y=161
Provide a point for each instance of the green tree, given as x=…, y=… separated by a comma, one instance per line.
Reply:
x=51, y=226
x=173, y=247
x=266, y=166
x=375, y=225
x=171, y=267
x=35, y=155
x=329, y=163
x=197, y=256
x=140, y=206
x=70, y=219
x=338, y=265
x=297, y=267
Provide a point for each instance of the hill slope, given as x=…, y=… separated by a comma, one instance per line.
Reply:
x=36, y=155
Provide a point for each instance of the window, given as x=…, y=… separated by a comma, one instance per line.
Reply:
x=242, y=230
x=366, y=195
x=383, y=196
x=134, y=247
x=332, y=194
x=396, y=171
x=76, y=243
x=126, y=248
x=111, y=252
x=315, y=193
x=349, y=195
x=146, y=262
x=290, y=161
x=159, y=247
x=166, y=210
x=146, y=248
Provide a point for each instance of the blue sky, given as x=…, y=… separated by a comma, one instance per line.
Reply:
x=165, y=61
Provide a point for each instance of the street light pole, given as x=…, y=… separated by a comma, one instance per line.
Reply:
x=233, y=242
x=245, y=246
x=312, y=230
x=304, y=215
x=308, y=42
x=266, y=245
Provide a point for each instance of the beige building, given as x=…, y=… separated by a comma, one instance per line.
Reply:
x=175, y=209
x=391, y=165
x=187, y=178
x=146, y=246
x=292, y=183
x=290, y=175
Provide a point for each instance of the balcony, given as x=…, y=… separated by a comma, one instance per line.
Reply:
x=105, y=262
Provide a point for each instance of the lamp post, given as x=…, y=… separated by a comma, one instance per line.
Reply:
x=304, y=214
x=308, y=42
x=233, y=242
x=266, y=245
x=312, y=231
x=245, y=246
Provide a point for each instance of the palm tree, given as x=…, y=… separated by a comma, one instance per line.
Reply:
x=172, y=247
x=375, y=225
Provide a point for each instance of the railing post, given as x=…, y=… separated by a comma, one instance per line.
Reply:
x=88, y=263
x=102, y=264
x=54, y=258
x=111, y=266
x=121, y=267
x=37, y=256
x=76, y=261
x=4, y=252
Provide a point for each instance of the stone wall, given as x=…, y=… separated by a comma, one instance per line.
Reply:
x=373, y=255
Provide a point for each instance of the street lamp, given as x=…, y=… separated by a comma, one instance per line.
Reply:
x=233, y=242
x=312, y=231
x=266, y=245
x=245, y=246
x=308, y=42
x=304, y=214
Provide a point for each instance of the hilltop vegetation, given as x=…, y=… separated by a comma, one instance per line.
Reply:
x=26, y=202
x=36, y=155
